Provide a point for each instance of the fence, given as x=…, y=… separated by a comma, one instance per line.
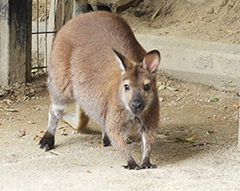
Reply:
x=48, y=16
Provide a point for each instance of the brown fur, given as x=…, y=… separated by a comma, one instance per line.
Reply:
x=84, y=67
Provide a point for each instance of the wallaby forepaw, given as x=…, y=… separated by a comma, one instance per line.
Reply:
x=148, y=166
x=47, y=142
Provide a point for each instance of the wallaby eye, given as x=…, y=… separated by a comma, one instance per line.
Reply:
x=147, y=87
x=127, y=87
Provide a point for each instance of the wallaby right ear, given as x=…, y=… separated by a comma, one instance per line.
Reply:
x=121, y=60
x=151, y=61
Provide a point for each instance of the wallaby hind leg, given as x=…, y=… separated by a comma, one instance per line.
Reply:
x=55, y=111
x=78, y=120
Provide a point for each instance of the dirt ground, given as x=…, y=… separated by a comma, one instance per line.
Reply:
x=210, y=162
x=215, y=21
x=196, y=144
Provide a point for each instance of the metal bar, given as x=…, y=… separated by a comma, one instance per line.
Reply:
x=239, y=126
x=29, y=41
x=37, y=33
x=46, y=13
x=38, y=67
x=44, y=32
x=63, y=14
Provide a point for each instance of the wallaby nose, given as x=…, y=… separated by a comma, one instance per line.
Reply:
x=136, y=104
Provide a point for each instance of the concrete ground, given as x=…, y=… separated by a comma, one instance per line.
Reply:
x=211, y=63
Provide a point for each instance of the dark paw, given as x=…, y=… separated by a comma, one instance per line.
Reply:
x=47, y=142
x=106, y=141
x=132, y=166
x=147, y=166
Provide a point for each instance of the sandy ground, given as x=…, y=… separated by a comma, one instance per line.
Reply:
x=211, y=162
x=79, y=162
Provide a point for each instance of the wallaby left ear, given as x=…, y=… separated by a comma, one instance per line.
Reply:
x=151, y=61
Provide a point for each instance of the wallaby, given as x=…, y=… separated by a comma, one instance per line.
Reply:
x=97, y=62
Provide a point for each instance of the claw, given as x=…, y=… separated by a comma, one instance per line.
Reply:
x=148, y=166
x=132, y=166
x=136, y=167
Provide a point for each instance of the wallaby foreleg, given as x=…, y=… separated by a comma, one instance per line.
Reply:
x=147, y=141
x=120, y=143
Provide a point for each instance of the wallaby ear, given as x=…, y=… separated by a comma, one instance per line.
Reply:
x=121, y=60
x=151, y=61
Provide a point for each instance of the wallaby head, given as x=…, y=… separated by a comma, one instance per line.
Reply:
x=138, y=81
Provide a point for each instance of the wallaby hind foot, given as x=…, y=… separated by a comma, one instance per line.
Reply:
x=78, y=120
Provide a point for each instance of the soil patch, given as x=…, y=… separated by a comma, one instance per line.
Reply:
x=215, y=21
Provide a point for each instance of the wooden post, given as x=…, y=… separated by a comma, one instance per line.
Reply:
x=63, y=13
x=13, y=30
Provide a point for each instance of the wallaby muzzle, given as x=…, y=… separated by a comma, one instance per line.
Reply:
x=136, y=105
